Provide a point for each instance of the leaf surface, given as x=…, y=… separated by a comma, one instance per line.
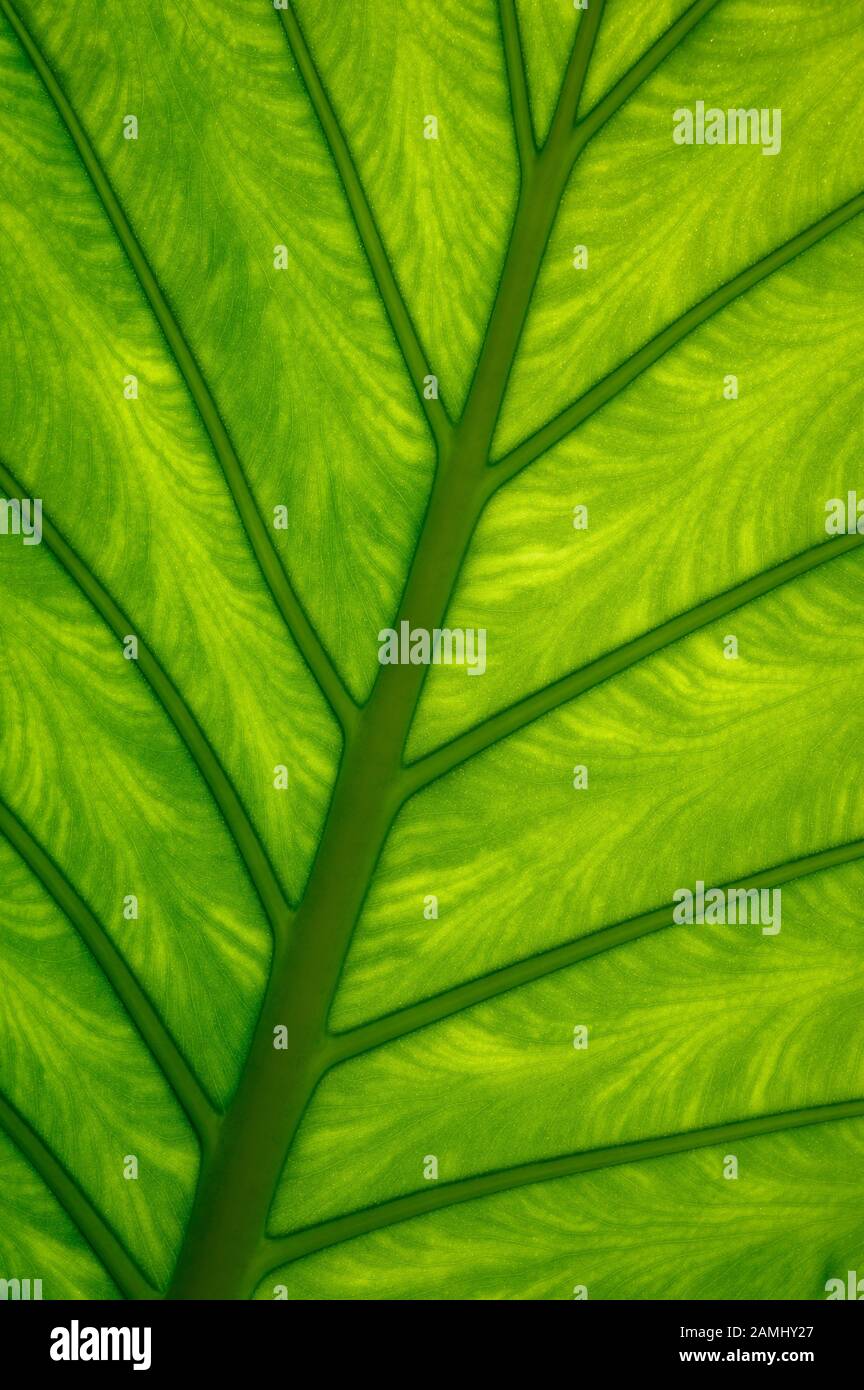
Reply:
x=301, y=355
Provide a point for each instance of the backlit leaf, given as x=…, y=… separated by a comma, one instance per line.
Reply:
x=324, y=977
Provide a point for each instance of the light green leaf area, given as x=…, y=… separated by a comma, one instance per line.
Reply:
x=86, y=747
x=767, y=1024
x=679, y=482
x=228, y=165
x=666, y=224
x=444, y=204
x=131, y=483
x=680, y=751
x=669, y=1229
x=39, y=1240
x=547, y=34
x=323, y=977
x=76, y=1068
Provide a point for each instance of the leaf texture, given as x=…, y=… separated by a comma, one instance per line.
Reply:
x=324, y=978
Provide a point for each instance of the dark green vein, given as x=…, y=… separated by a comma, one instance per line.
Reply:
x=509, y=721
x=650, y=60
x=517, y=83
x=265, y=552
x=574, y=78
x=158, y=1041
x=441, y=1006
x=401, y=323
x=540, y=189
x=622, y=376
x=98, y=1235
x=438, y=1196
x=236, y=1191
x=216, y=779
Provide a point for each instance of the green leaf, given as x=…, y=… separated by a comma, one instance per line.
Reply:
x=305, y=351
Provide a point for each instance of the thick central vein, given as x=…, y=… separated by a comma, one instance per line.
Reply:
x=238, y=1181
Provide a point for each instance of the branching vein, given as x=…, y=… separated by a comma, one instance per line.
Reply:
x=267, y=556
x=618, y=380
x=438, y=1196
x=650, y=60
x=517, y=84
x=453, y=1001
x=523, y=712
x=577, y=71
